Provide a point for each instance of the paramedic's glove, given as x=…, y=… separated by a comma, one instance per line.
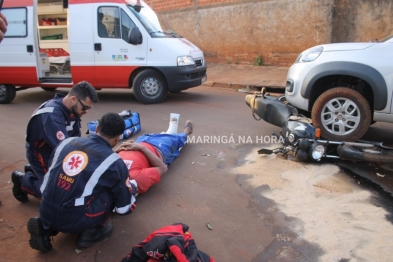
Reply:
x=133, y=186
x=3, y=26
x=134, y=193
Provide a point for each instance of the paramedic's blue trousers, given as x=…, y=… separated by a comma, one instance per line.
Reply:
x=75, y=219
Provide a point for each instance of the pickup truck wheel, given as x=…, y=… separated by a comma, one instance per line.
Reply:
x=342, y=114
x=149, y=87
x=7, y=93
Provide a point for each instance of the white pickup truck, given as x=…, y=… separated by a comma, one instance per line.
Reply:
x=346, y=87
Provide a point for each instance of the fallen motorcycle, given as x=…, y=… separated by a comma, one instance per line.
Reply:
x=302, y=140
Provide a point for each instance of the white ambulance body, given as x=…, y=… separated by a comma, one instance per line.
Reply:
x=59, y=44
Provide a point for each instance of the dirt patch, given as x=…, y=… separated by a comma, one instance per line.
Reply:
x=325, y=207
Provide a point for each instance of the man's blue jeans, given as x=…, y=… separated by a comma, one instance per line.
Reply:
x=168, y=144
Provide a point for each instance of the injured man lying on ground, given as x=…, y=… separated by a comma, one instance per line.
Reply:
x=147, y=158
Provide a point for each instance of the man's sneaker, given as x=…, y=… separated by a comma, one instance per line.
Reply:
x=28, y=168
x=94, y=234
x=39, y=237
x=17, y=188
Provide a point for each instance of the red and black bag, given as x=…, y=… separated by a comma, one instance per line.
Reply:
x=170, y=243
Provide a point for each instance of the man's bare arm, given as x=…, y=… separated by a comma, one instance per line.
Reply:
x=153, y=159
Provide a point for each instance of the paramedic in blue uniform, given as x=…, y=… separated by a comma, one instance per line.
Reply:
x=86, y=181
x=51, y=123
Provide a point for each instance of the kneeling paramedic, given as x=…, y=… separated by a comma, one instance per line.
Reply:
x=51, y=123
x=85, y=182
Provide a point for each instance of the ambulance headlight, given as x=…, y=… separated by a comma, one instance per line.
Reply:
x=317, y=151
x=185, y=61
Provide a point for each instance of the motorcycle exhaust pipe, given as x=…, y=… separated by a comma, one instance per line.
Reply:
x=358, y=144
x=341, y=143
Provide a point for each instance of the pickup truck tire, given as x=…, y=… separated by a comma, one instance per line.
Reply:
x=342, y=114
x=7, y=93
x=150, y=87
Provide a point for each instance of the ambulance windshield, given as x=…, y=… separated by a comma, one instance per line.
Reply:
x=154, y=24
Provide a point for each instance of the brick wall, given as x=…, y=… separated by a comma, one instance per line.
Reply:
x=276, y=30
x=165, y=5
x=364, y=20
x=209, y=2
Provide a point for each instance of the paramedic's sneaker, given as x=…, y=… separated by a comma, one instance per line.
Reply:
x=94, y=234
x=28, y=168
x=17, y=188
x=39, y=237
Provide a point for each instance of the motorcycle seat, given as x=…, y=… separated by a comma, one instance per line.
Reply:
x=269, y=108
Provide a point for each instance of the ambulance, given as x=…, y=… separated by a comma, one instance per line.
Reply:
x=109, y=43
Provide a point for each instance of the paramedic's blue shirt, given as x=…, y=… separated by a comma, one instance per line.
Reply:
x=81, y=169
x=47, y=129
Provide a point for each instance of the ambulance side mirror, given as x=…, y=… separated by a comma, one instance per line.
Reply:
x=135, y=36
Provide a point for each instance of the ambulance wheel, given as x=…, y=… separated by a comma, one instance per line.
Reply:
x=150, y=87
x=7, y=93
x=48, y=89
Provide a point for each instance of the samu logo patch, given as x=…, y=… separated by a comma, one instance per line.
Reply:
x=75, y=162
x=60, y=135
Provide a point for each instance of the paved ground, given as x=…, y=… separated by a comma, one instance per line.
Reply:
x=261, y=208
x=199, y=188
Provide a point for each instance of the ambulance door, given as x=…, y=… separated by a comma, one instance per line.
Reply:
x=20, y=59
x=114, y=58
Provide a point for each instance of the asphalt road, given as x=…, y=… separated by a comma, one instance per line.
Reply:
x=218, y=179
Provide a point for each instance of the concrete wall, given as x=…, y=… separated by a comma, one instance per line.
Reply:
x=277, y=30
